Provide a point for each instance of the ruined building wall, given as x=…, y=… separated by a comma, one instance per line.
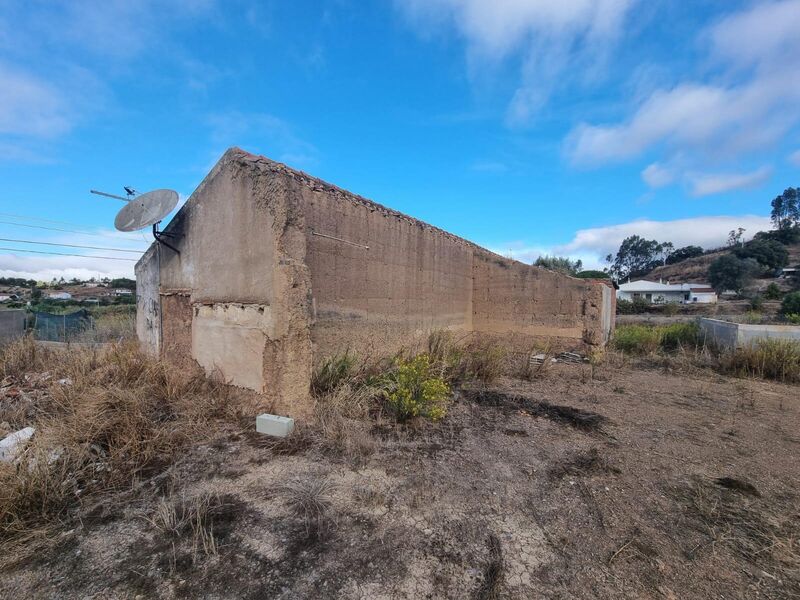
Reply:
x=523, y=303
x=379, y=279
x=277, y=269
x=227, y=301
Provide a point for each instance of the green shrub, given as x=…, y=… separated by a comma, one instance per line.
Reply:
x=645, y=339
x=752, y=317
x=679, y=335
x=333, y=372
x=411, y=389
x=670, y=309
x=769, y=358
x=773, y=292
x=592, y=274
x=756, y=302
x=770, y=254
x=637, y=339
x=791, y=304
x=793, y=318
x=632, y=307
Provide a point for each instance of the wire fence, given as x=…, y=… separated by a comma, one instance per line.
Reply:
x=62, y=328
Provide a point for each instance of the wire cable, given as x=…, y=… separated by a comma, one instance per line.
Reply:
x=68, y=254
x=116, y=237
x=79, y=231
x=71, y=245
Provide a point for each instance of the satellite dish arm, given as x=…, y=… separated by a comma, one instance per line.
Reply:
x=107, y=195
x=159, y=235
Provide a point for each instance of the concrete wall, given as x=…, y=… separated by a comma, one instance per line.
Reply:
x=728, y=336
x=528, y=302
x=229, y=300
x=12, y=325
x=379, y=279
x=276, y=268
x=148, y=301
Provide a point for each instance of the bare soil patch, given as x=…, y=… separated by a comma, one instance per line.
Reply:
x=607, y=482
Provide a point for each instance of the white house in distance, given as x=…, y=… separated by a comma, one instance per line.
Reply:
x=60, y=296
x=662, y=293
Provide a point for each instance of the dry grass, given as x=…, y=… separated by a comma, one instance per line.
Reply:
x=189, y=518
x=493, y=571
x=465, y=359
x=767, y=359
x=111, y=326
x=308, y=499
x=735, y=515
x=108, y=419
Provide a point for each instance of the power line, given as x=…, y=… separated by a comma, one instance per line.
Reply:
x=117, y=237
x=80, y=231
x=71, y=245
x=68, y=254
x=38, y=219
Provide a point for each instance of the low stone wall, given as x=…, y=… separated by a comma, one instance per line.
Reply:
x=729, y=336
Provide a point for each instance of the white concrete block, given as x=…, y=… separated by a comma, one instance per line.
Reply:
x=13, y=443
x=274, y=425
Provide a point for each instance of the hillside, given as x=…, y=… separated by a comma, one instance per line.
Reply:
x=696, y=269
x=689, y=270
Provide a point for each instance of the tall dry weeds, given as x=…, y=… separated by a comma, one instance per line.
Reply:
x=109, y=418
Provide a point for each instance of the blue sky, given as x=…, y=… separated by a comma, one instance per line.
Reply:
x=527, y=126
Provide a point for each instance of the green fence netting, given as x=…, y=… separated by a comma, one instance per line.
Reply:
x=62, y=328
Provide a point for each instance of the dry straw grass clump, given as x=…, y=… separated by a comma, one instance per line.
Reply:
x=769, y=359
x=309, y=500
x=729, y=512
x=464, y=360
x=110, y=417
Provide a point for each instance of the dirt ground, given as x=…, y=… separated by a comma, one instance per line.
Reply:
x=626, y=481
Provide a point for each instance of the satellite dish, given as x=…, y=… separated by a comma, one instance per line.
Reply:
x=145, y=210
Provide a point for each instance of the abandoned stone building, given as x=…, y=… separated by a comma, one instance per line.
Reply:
x=275, y=269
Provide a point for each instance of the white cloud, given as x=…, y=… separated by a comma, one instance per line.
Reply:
x=753, y=105
x=31, y=106
x=708, y=232
x=519, y=251
x=656, y=175
x=262, y=133
x=91, y=263
x=760, y=36
x=553, y=37
x=794, y=158
x=49, y=267
x=707, y=184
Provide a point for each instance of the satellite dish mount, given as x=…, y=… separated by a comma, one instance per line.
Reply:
x=143, y=210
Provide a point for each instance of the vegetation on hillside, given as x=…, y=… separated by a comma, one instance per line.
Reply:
x=559, y=264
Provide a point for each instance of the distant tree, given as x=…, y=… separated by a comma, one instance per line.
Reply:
x=684, y=253
x=768, y=253
x=36, y=294
x=735, y=236
x=592, y=274
x=636, y=256
x=791, y=304
x=773, y=292
x=786, y=209
x=123, y=282
x=559, y=264
x=790, y=235
x=729, y=272
x=667, y=249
